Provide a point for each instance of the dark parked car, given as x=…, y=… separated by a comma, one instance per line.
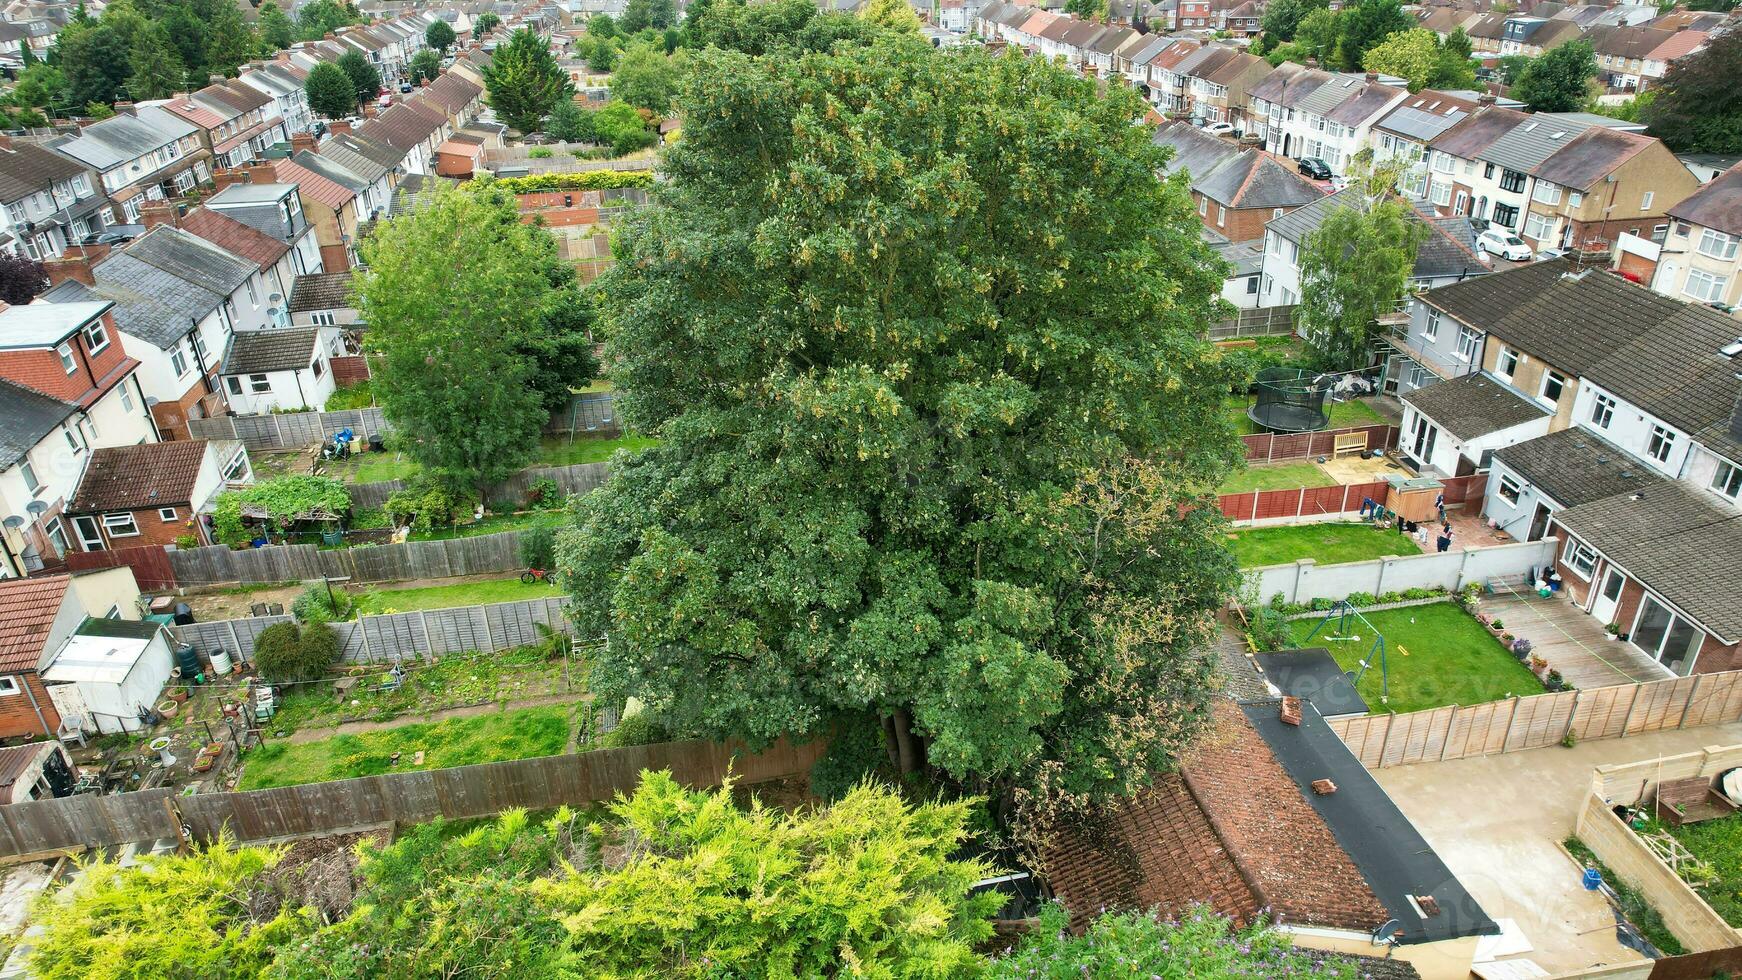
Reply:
x=1315, y=168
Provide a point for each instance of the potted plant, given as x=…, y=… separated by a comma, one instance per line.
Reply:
x=1614, y=631
x=1538, y=665
x=1554, y=681
x=1506, y=638
x=177, y=694
x=1496, y=625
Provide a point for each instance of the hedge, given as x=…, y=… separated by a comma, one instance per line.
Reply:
x=584, y=180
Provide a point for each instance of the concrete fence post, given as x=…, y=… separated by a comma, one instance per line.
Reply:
x=1689, y=703
x=1632, y=703
x=1270, y=448
x=1300, y=503
x=235, y=639
x=1463, y=571
x=1384, y=565
x=428, y=644
x=1255, y=495
x=278, y=428
x=1572, y=716
x=1385, y=743
x=1345, y=505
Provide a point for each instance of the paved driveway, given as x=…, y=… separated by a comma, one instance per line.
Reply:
x=1496, y=822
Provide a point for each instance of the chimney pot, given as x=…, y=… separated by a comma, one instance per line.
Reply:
x=1372, y=77
x=1486, y=98
x=1290, y=711
x=1324, y=787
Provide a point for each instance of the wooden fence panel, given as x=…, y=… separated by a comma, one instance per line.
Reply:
x=1277, y=447
x=1718, y=699
x=456, y=630
x=150, y=563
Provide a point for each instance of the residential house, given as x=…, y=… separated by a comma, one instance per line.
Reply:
x=458, y=98
x=12, y=41
x=47, y=201
x=155, y=493
x=42, y=614
x=1196, y=15
x=1208, y=834
x=177, y=300
x=281, y=370
x=323, y=300
x=415, y=128
x=1701, y=259
x=274, y=258
x=66, y=385
x=282, y=81
x=142, y=154
x=331, y=207
x=1273, y=101
x=1403, y=135
x=1533, y=36
x=1452, y=428
x=1166, y=80
x=274, y=210
x=374, y=163
x=1601, y=183
x=237, y=122
x=1328, y=116
x=1218, y=82
x=1236, y=191
x=1101, y=52
x=1622, y=51
x=1242, y=19
x=1485, y=33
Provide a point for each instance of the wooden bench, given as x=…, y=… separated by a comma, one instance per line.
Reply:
x=1349, y=442
x=1691, y=800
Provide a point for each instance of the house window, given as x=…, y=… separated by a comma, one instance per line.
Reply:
x=1203, y=206
x=1251, y=285
x=234, y=383
x=1661, y=445
x=126, y=398
x=178, y=361
x=67, y=362
x=1575, y=199
x=1602, y=410
x=1431, y=329
x=1538, y=226
x=96, y=337
x=322, y=319
x=1704, y=286
x=184, y=181
x=1507, y=364
x=1728, y=480
x=1509, y=490
x=9, y=687
x=253, y=294
x=1717, y=244
x=259, y=384
x=1441, y=193
x=1506, y=214
x=121, y=525
x=318, y=367
x=1645, y=200
x=166, y=514
x=57, y=537
x=1553, y=383
x=30, y=480
x=1467, y=340
x=1511, y=180
x=237, y=469
x=1580, y=558
x=1221, y=216
x=1275, y=213
x=1546, y=192
x=72, y=438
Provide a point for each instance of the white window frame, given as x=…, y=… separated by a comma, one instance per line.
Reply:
x=1509, y=491
x=28, y=471
x=1500, y=367
x=1713, y=286
x=1602, y=411
x=1539, y=226
x=1430, y=328
x=1661, y=444
x=113, y=523
x=1559, y=379
x=1726, y=480
x=259, y=384
x=1645, y=200
x=178, y=361
x=68, y=362
x=96, y=337
x=1574, y=552
x=10, y=688
x=168, y=515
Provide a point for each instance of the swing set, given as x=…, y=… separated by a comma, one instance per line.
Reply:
x=1346, y=616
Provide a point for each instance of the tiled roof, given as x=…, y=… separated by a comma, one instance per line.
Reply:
x=350, y=154
x=152, y=474
x=1288, y=83
x=1194, y=150
x=260, y=351
x=452, y=92
x=1717, y=205
x=26, y=416
x=26, y=168
x=1255, y=180
x=324, y=291
x=1443, y=254
x=1474, y=405
x=1669, y=537
x=190, y=259
x=234, y=237
x=314, y=186
x=1574, y=466
x=1590, y=156
x=31, y=606
x=1678, y=45
x=1478, y=132
x=405, y=125
x=124, y=137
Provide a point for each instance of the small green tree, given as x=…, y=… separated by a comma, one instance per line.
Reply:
x=621, y=126
x=1556, y=81
x=1317, y=34
x=1283, y=17
x=275, y=651
x=425, y=66
x=601, y=25
x=1413, y=56
x=276, y=30
x=365, y=80
x=538, y=547
x=485, y=23
x=645, y=77
x=571, y=123
x=524, y=80
x=439, y=36
x=1355, y=268
x=639, y=15
x=41, y=86
x=898, y=15
x=330, y=91
x=1133, y=944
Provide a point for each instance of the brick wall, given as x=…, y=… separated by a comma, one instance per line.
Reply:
x=334, y=258
x=1713, y=657
x=42, y=369
x=171, y=417
x=153, y=530
x=17, y=716
x=1240, y=224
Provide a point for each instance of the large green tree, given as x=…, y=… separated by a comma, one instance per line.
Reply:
x=1366, y=23
x=330, y=91
x=1355, y=268
x=1423, y=60
x=230, y=42
x=317, y=19
x=157, y=69
x=1698, y=106
x=365, y=80
x=1283, y=17
x=276, y=30
x=759, y=28
x=919, y=336
x=454, y=294
x=639, y=15
x=524, y=80
x=439, y=35
x=1556, y=81
x=93, y=57
x=896, y=15
x=645, y=77
x=485, y=23
x=425, y=66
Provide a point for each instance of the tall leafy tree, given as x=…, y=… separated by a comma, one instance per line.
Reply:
x=315, y=20
x=330, y=91
x=639, y=15
x=93, y=57
x=1317, y=35
x=1354, y=269
x=425, y=66
x=601, y=25
x=452, y=295
x=276, y=30
x=1283, y=17
x=645, y=77
x=1455, y=70
x=571, y=123
x=760, y=28
x=1556, y=82
x=157, y=69
x=439, y=36
x=21, y=278
x=524, y=80
x=41, y=86
x=601, y=55
x=919, y=337
x=1366, y=23
x=1413, y=56
x=365, y=80
x=188, y=33
x=230, y=42
x=1698, y=106
x=896, y=15
x=485, y=23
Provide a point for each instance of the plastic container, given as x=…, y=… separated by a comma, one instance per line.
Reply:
x=220, y=663
x=188, y=660
x=1593, y=879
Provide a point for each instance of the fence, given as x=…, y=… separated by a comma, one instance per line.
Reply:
x=1685, y=913
x=1456, y=732
x=1306, y=580
x=150, y=563
x=394, y=637
x=350, y=369
x=1262, y=505
x=1270, y=447
x=404, y=797
x=218, y=565
x=575, y=478
x=1268, y=321
x=290, y=430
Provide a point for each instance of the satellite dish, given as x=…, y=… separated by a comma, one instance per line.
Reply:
x=1384, y=935
x=14, y=522
x=151, y=400
x=273, y=297
x=35, y=508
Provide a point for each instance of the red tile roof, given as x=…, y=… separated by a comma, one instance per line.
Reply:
x=30, y=605
x=313, y=186
x=235, y=237
x=152, y=474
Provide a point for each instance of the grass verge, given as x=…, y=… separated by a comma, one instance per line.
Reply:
x=1328, y=544
x=1343, y=415
x=381, y=601
x=559, y=451
x=1634, y=906
x=1278, y=476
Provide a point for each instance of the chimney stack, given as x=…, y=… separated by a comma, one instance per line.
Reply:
x=1485, y=99
x=338, y=126
x=262, y=173
x=1372, y=77
x=1290, y=711
x=300, y=142
x=75, y=264
x=158, y=213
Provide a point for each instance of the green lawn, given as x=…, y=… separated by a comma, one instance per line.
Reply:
x=1328, y=544
x=379, y=601
x=492, y=524
x=559, y=451
x=495, y=737
x=1718, y=843
x=1343, y=415
x=1451, y=658
x=1278, y=476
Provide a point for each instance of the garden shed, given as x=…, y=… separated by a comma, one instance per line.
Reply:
x=108, y=672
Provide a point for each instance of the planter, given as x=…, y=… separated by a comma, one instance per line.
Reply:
x=167, y=708
x=177, y=694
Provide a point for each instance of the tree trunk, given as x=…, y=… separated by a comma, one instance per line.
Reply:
x=889, y=743
x=908, y=750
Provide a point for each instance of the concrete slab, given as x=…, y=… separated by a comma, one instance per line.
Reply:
x=1497, y=821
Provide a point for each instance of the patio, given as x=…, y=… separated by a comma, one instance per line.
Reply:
x=1572, y=642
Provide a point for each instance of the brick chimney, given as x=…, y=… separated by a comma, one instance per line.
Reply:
x=75, y=264
x=1372, y=77
x=1485, y=99
x=338, y=126
x=215, y=79
x=158, y=213
x=302, y=141
x=262, y=173
x=222, y=178
x=1290, y=713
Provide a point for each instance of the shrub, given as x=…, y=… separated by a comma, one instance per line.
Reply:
x=586, y=180
x=538, y=546
x=370, y=518
x=427, y=503
x=1419, y=593
x=275, y=650
x=319, y=649
x=322, y=604
x=186, y=541
x=544, y=494
x=1361, y=599
x=855, y=753
x=538, y=153
x=637, y=729
x=1322, y=605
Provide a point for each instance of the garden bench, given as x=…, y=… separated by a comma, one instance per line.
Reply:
x=1349, y=442
x=1691, y=800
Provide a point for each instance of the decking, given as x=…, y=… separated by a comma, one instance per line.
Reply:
x=1571, y=641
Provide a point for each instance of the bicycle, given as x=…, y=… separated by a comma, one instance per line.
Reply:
x=535, y=575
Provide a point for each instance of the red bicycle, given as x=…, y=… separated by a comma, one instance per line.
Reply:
x=533, y=575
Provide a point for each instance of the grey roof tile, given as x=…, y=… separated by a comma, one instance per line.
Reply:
x=1474, y=405
x=1574, y=466
x=260, y=351
x=25, y=418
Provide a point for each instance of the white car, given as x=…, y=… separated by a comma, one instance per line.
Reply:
x=1219, y=129
x=1502, y=242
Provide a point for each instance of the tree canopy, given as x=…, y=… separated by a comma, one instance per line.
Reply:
x=276, y=30
x=425, y=66
x=439, y=35
x=639, y=15
x=773, y=25
x=21, y=279
x=1423, y=60
x=1698, y=105
x=919, y=337
x=1364, y=24
x=647, y=78
x=524, y=80
x=1556, y=81
x=485, y=23
x=330, y=91
x=896, y=15
x=1134, y=944
x=457, y=294
x=1283, y=17
x=365, y=80
x=1353, y=269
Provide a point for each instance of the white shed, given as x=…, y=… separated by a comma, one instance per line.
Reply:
x=108, y=671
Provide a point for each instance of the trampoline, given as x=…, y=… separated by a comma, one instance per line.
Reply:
x=1291, y=400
